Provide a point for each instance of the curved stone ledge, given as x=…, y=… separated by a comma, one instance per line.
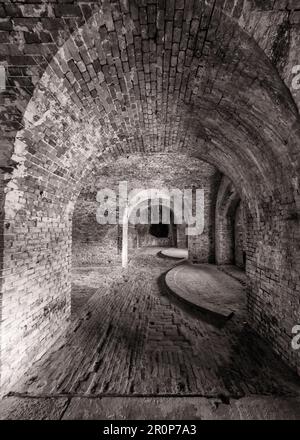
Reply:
x=175, y=253
x=206, y=288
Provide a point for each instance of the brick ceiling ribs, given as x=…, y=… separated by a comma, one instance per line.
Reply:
x=90, y=81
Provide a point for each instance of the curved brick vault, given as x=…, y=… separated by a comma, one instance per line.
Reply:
x=88, y=82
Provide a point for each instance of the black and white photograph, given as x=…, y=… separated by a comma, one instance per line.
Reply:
x=150, y=213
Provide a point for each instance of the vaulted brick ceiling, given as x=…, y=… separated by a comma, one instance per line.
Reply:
x=152, y=171
x=149, y=76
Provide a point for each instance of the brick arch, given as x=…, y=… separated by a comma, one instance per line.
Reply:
x=140, y=231
x=103, y=94
x=135, y=204
x=31, y=34
x=227, y=203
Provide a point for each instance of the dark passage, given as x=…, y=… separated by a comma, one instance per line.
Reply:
x=160, y=230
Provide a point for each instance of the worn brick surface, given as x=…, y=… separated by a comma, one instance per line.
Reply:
x=150, y=408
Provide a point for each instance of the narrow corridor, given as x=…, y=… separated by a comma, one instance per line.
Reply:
x=128, y=128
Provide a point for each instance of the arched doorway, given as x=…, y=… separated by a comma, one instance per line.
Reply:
x=164, y=228
x=230, y=226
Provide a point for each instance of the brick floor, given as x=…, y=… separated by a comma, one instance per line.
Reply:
x=129, y=338
x=149, y=408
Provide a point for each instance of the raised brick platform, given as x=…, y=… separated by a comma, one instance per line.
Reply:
x=175, y=253
x=202, y=286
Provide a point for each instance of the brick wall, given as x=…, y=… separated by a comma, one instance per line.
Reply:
x=239, y=236
x=37, y=210
x=182, y=239
x=202, y=247
x=36, y=295
x=92, y=243
x=274, y=279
